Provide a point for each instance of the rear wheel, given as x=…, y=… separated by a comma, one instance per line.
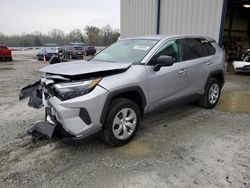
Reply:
x=122, y=122
x=212, y=94
x=10, y=59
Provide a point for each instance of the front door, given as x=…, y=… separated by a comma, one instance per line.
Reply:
x=171, y=82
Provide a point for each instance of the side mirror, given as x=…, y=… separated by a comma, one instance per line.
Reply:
x=163, y=61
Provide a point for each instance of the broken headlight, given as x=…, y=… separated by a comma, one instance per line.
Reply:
x=70, y=90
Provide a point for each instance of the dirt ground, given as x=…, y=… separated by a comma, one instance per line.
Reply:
x=185, y=146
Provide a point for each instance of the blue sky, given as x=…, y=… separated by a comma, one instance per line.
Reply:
x=18, y=16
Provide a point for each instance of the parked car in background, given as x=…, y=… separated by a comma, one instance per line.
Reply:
x=90, y=50
x=73, y=52
x=5, y=53
x=108, y=95
x=48, y=52
x=77, y=52
x=244, y=64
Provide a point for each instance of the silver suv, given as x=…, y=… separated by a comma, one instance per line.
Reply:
x=108, y=95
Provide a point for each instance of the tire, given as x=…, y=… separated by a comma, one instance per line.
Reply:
x=115, y=134
x=212, y=94
x=10, y=59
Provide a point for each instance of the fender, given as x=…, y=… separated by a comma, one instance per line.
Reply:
x=112, y=94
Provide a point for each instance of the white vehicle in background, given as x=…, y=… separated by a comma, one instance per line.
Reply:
x=244, y=64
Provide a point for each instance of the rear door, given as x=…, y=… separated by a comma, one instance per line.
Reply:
x=199, y=57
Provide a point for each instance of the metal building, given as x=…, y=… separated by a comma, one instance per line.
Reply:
x=144, y=17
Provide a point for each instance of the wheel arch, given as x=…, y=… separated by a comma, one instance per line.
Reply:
x=134, y=93
x=219, y=75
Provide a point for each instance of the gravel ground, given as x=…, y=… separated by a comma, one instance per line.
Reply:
x=185, y=146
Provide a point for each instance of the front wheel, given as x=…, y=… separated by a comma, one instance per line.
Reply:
x=212, y=94
x=122, y=122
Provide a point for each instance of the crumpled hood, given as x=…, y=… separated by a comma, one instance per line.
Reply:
x=83, y=67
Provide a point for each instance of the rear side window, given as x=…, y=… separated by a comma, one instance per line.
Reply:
x=194, y=48
x=211, y=50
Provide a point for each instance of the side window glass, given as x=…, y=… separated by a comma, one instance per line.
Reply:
x=171, y=48
x=194, y=48
x=211, y=50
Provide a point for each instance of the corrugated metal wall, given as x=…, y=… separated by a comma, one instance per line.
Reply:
x=138, y=17
x=202, y=17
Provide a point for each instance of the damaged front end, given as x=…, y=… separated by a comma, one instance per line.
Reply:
x=43, y=93
x=34, y=92
x=37, y=99
x=73, y=99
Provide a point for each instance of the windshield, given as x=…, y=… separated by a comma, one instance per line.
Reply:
x=48, y=50
x=51, y=50
x=131, y=50
x=246, y=56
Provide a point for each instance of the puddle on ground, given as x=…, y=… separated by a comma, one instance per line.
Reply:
x=136, y=148
x=234, y=101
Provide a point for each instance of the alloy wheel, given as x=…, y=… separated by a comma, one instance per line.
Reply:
x=124, y=123
x=214, y=93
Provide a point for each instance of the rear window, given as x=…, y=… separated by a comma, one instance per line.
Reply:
x=51, y=50
x=194, y=48
x=78, y=48
x=41, y=50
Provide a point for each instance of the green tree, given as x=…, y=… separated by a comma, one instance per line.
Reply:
x=76, y=35
x=37, y=41
x=93, y=34
x=24, y=43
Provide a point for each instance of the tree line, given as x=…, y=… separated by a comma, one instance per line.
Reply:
x=90, y=35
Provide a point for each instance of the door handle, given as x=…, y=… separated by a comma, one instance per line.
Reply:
x=183, y=71
x=209, y=62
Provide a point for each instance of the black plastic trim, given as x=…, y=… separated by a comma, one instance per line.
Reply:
x=84, y=115
x=217, y=72
x=117, y=92
x=177, y=102
x=44, y=128
x=76, y=141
